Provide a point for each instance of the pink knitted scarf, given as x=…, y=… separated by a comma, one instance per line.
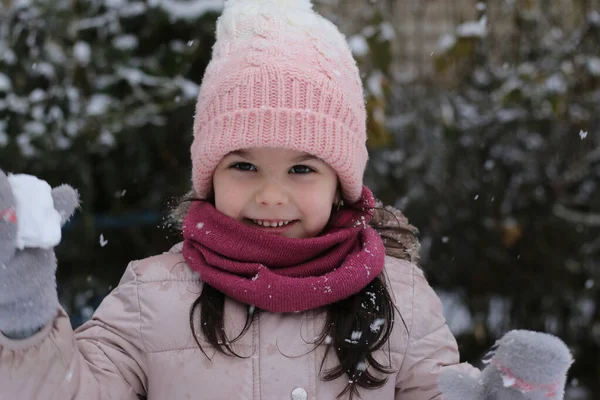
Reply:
x=281, y=274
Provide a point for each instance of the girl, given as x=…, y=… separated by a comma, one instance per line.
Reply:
x=281, y=288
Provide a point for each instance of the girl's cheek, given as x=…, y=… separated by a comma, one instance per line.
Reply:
x=236, y=176
x=304, y=180
x=241, y=181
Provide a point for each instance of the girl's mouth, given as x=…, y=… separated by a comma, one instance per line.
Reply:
x=275, y=226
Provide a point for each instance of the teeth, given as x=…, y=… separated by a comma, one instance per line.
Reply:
x=268, y=224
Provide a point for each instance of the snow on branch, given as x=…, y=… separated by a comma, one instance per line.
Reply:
x=577, y=217
x=187, y=10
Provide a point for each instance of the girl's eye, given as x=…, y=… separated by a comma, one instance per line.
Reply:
x=243, y=166
x=301, y=169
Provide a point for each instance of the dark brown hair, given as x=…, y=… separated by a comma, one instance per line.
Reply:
x=355, y=327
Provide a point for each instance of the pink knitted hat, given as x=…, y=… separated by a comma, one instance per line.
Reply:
x=281, y=76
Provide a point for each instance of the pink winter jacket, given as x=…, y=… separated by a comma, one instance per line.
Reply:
x=139, y=343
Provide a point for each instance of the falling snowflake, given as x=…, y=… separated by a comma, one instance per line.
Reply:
x=103, y=241
x=376, y=325
x=582, y=134
x=355, y=335
x=373, y=297
x=508, y=381
x=361, y=366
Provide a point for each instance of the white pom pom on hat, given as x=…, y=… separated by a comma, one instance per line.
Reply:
x=295, y=4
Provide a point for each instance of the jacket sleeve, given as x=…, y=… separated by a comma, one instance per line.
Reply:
x=431, y=348
x=103, y=359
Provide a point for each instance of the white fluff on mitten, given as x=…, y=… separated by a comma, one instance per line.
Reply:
x=38, y=222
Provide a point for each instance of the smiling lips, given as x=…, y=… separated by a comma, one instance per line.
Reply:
x=271, y=223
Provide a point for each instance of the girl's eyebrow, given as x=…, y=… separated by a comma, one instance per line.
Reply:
x=306, y=157
x=241, y=153
x=303, y=157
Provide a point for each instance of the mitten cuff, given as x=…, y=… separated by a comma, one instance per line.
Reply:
x=22, y=316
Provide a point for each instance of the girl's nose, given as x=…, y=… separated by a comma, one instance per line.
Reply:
x=271, y=194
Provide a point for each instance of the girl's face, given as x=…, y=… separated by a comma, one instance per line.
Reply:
x=280, y=191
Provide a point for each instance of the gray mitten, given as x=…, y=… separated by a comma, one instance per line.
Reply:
x=28, y=298
x=526, y=365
